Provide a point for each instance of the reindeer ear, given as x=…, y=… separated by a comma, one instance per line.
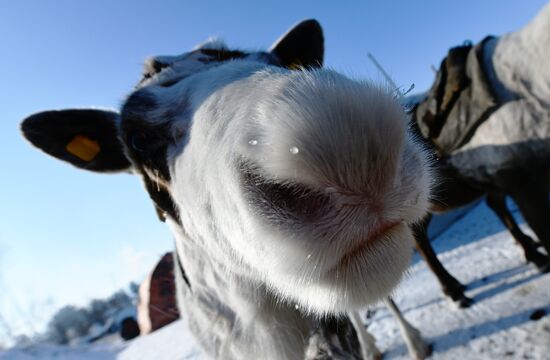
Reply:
x=301, y=46
x=86, y=138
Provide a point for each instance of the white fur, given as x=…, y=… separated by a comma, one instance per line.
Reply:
x=417, y=347
x=256, y=276
x=369, y=350
x=340, y=137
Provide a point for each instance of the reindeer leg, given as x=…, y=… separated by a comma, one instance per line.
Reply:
x=369, y=351
x=418, y=348
x=532, y=200
x=450, y=286
x=497, y=202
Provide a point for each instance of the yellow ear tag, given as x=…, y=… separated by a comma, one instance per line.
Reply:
x=83, y=148
x=296, y=65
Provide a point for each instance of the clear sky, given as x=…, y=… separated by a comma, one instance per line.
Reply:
x=68, y=235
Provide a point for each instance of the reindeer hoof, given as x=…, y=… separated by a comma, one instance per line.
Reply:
x=541, y=261
x=458, y=297
x=425, y=353
x=544, y=268
x=421, y=350
x=378, y=356
x=430, y=350
x=462, y=302
x=465, y=302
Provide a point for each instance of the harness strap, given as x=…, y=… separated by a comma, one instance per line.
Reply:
x=460, y=100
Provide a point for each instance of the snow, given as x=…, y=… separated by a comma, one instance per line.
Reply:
x=475, y=249
x=173, y=341
x=48, y=351
x=506, y=291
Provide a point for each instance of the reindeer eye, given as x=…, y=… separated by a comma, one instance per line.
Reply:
x=137, y=141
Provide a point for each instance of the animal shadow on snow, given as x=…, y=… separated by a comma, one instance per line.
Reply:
x=461, y=336
x=504, y=286
x=464, y=335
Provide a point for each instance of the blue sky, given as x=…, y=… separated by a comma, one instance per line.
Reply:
x=68, y=235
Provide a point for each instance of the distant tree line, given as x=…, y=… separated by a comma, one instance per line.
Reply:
x=71, y=323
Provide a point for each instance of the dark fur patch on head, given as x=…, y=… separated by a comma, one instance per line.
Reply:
x=268, y=58
x=155, y=65
x=161, y=197
x=220, y=55
x=147, y=144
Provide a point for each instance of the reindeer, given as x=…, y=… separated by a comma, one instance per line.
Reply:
x=290, y=194
x=487, y=119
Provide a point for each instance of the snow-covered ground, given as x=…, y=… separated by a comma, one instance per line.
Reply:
x=476, y=249
x=507, y=293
